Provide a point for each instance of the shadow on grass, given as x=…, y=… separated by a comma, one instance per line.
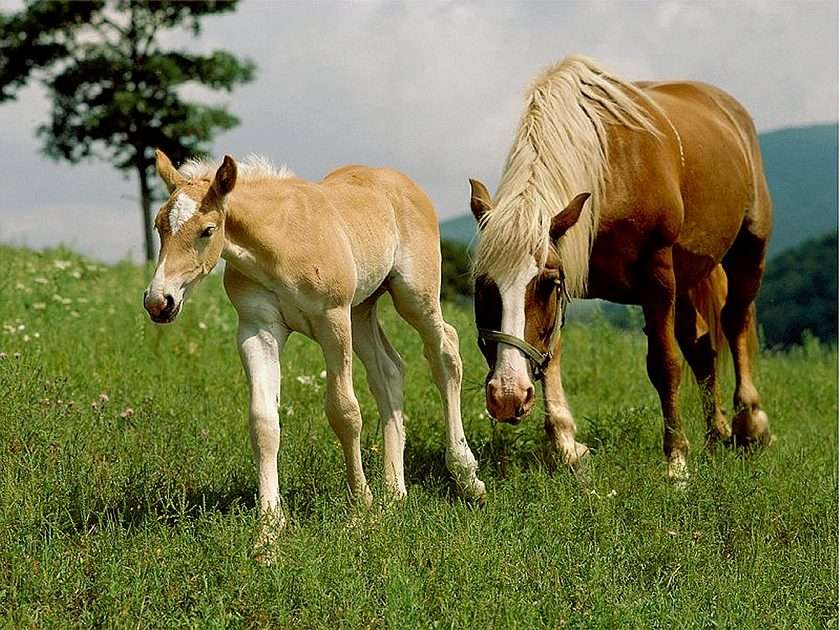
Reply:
x=159, y=499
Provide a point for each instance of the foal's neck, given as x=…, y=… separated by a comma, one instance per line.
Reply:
x=244, y=238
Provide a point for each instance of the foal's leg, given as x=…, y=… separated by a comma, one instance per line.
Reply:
x=744, y=266
x=421, y=309
x=385, y=376
x=696, y=345
x=335, y=336
x=559, y=423
x=259, y=347
x=663, y=362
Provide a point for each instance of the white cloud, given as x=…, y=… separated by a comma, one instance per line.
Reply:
x=435, y=89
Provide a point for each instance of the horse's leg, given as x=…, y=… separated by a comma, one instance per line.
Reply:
x=663, y=362
x=559, y=423
x=260, y=345
x=744, y=266
x=385, y=377
x=695, y=342
x=420, y=307
x=334, y=334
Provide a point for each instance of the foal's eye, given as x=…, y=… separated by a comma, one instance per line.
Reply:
x=208, y=231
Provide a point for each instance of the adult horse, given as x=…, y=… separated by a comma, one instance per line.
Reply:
x=315, y=258
x=638, y=193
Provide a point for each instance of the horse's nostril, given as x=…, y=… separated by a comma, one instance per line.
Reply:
x=529, y=396
x=170, y=304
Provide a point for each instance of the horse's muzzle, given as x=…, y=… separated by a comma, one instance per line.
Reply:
x=507, y=402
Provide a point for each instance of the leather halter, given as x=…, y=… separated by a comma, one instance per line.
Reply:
x=539, y=360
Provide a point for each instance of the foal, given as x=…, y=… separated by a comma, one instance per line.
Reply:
x=315, y=258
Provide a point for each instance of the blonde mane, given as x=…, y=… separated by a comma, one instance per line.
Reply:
x=253, y=167
x=560, y=150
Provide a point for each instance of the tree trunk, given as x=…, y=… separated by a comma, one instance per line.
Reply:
x=146, y=203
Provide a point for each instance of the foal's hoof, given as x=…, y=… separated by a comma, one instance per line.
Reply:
x=474, y=492
x=463, y=468
x=269, y=527
x=751, y=429
x=576, y=456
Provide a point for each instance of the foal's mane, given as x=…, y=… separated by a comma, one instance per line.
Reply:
x=560, y=150
x=253, y=167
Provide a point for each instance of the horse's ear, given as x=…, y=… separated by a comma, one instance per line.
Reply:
x=168, y=173
x=225, y=178
x=564, y=220
x=480, y=202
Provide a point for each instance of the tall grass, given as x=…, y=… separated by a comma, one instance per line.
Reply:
x=127, y=489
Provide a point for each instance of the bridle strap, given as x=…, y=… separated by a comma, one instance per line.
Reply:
x=539, y=360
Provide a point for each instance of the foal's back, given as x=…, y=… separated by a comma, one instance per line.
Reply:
x=390, y=222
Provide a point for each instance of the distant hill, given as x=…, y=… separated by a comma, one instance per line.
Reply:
x=801, y=167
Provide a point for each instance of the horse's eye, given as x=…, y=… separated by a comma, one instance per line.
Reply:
x=208, y=231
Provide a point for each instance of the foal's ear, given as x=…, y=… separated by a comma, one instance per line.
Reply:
x=168, y=173
x=480, y=202
x=225, y=178
x=564, y=220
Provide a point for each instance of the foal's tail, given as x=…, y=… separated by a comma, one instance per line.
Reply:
x=708, y=297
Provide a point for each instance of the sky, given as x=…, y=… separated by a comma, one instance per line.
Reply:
x=433, y=89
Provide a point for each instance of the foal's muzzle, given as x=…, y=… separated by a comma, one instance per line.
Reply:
x=162, y=309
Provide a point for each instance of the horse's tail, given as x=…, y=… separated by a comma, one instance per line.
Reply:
x=708, y=297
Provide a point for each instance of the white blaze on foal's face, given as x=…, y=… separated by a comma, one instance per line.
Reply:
x=182, y=211
x=191, y=228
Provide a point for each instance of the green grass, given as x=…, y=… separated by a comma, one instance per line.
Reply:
x=145, y=518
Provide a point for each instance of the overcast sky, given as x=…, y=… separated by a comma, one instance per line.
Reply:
x=432, y=89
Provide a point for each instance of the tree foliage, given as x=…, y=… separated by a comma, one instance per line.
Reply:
x=457, y=283
x=116, y=93
x=799, y=294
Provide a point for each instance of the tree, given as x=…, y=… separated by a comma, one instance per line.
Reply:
x=799, y=293
x=456, y=281
x=114, y=90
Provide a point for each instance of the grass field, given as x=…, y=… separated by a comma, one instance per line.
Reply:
x=127, y=489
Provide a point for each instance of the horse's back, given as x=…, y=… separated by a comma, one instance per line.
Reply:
x=722, y=185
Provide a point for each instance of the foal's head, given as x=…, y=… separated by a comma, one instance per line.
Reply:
x=524, y=306
x=191, y=225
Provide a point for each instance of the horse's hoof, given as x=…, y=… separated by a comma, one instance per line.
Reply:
x=751, y=429
x=678, y=471
x=719, y=433
x=265, y=556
